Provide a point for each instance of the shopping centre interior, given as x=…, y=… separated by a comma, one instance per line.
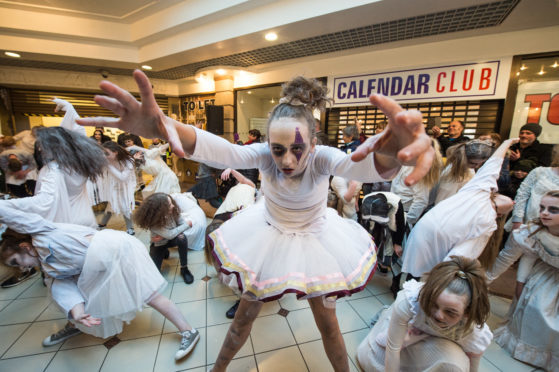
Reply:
x=236, y=54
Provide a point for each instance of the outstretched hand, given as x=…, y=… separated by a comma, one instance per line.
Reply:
x=88, y=321
x=403, y=142
x=60, y=104
x=142, y=118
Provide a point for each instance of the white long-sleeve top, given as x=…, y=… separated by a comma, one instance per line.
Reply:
x=293, y=204
x=460, y=225
x=340, y=186
x=61, y=247
x=414, y=198
x=118, y=186
x=529, y=194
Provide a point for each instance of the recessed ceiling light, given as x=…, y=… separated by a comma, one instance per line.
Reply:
x=249, y=92
x=12, y=54
x=146, y=67
x=523, y=67
x=271, y=36
x=555, y=64
x=220, y=71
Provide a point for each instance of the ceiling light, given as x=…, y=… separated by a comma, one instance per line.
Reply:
x=271, y=36
x=272, y=101
x=249, y=92
x=146, y=67
x=555, y=65
x=518, y=73
x=220, y=71
x=12, y=54
x=541, y=72
x=523, y=67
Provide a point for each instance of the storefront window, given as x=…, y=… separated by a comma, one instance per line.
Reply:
x=253, y=107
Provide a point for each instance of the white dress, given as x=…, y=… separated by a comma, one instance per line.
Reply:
x=447, y=189
x=164, y=180
x=414, y=198
x=118, y=189
x=291, y=242
x=430, y=349
x=109, y=271
x=340, y=186
x=529, y=194
x=458, y=226
x=531, y=333
x=190, y=210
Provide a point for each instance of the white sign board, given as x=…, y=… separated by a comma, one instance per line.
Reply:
x=487, y=80
x=538, y=102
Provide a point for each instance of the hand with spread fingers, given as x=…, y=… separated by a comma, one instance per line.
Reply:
x=142, y=118
x=403, y=142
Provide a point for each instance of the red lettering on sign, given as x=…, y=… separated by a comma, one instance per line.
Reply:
x=439, y=88
x=465, y=81
x=553, y=111
x=484, y=82
x=536, y=102
x=452, y=89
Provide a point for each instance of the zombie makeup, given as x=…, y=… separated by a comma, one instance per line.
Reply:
x=299, y=149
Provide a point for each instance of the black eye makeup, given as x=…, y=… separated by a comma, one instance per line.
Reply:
x=551, y=209
x=278, y=150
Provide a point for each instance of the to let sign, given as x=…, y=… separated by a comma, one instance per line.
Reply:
x=470, y=81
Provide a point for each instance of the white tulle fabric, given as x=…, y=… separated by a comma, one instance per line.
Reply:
x=117, y=279
x=117, y=186
x=190, y=210
x=164, y=180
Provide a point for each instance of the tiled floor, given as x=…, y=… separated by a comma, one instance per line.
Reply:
x=277, y=343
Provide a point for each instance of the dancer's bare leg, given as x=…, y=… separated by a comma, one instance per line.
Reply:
x=332, y=339
x=170, y=311
x=238, y=333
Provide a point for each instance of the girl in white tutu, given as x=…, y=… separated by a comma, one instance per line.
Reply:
x=164, y=180
x=436, y=325
x=289, y=243
x=531, y=333
x=119, y=183
x=100, y=279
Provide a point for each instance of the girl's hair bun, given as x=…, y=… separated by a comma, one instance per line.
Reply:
x=309, y=92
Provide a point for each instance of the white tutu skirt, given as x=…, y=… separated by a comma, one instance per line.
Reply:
x=260, y=261
x=117, y=279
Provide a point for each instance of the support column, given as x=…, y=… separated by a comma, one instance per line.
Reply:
x=224, y=96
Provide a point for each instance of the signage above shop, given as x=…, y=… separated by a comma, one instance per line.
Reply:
x=487, y=80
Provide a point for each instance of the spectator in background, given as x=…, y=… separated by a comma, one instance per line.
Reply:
x=104, y=137
x=254, y=136
x=350, y=135
x=455, y=135
x=529, y=148
x=125, y=135
x=321, y=137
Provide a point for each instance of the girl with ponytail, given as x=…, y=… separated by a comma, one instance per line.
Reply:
x=434, y=325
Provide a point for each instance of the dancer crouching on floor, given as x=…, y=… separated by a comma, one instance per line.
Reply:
x=290, y=243
x=100, y=279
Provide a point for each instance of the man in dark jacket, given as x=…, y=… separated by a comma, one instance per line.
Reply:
x=529, y=148
x=454, y=135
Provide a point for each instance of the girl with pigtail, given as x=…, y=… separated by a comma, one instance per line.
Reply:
x=119, y=185
x=290, y=242
x=437, y=324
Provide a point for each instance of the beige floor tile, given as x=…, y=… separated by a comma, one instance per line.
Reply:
x=85, y=359
x=352, y=342
x=31, y=340
x=13, y=292
x=37, y=289
x=132, y=356
x=210, y=271
x=168, y=347
x=51, y=312
x=148, y=322
x=4, y=303
x=29, y=363
x=386, y=298
x=486, y=366
x=217, y=289
x=82, y=340
x=217, y=308
x=194, y=312
x=196, y=257
x=216, y=336
x=290, y=302
x=168, y=271
x=9, y=334
x=287, y=359
x=246, y=364
x=364, y=293
x=348, y=318
x=183, y=292
x=315, y=357
x=502, y=359
x=269, y=308
x=366, y=308
x=303, y=325
x=271, y=332
x=380, y=283
x=198, y=270
x=23, y=311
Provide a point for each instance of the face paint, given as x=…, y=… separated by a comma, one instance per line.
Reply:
x=299, y=141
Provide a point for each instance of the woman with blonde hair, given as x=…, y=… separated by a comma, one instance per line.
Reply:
x=434, y=325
